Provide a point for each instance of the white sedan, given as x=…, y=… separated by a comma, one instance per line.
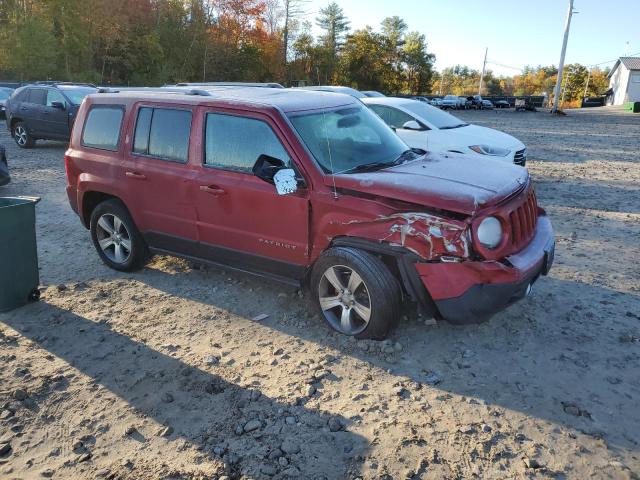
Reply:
x=429, y=128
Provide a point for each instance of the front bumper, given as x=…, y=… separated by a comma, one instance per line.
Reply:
x=473, y=291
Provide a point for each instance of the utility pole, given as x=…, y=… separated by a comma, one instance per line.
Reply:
x=556, y=92
x=587, y=85
x=484, y=66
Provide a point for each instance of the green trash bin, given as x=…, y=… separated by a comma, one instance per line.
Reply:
x=19, y=277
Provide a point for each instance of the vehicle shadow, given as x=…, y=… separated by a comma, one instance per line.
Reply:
x=201, y=407
x=535, y=358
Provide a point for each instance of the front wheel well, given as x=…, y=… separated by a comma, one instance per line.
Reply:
x=90, y=200
x=400, y=263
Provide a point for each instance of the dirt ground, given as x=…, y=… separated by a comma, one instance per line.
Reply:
x=165, y=373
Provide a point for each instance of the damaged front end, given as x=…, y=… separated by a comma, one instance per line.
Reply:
x=428, y=236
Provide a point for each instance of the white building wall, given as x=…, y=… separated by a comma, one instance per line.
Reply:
x=618, y=82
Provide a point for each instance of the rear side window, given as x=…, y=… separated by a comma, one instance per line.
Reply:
x=163, y=133
x=37, y=96
x=102, y=128
x=235, y=143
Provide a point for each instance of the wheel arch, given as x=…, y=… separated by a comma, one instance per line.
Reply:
x=400, y=262
x=90, y=200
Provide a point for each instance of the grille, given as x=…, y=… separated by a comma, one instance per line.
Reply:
x=523, y=222
x=520, y=158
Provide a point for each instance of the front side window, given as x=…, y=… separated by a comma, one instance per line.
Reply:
x=235, y=143
x=163, y=133
x=392, y=116
x=77, y=94
x=435, y=116
x=347, y=138
x=53, y=96
x=102, y=127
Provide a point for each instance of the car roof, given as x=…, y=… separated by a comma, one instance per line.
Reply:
x=390, y=101
x=335, y=88
x=285, y=99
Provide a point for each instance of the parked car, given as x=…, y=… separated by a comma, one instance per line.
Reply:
x=373, y=93
x=308, y=188
x=336, y=89
x=4, y=167
x=436, y=102
x=44, y=111
x=426, y=127
x=502, y=104
x=450, y=102
x=476, y=102
x=486, y=105
x=462, y=103
x=5, y=93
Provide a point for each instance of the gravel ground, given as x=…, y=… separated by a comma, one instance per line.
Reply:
x=165, y=373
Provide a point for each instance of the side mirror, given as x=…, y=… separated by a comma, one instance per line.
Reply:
x=273, y=170
x=411, y=125
x=266, y=167
x=58, y=105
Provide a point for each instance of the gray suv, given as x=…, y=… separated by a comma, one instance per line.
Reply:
x=44, y=111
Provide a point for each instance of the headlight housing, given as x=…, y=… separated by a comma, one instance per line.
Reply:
x=489, y=232
x=489, y=150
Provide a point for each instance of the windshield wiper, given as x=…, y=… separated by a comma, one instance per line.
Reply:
x=450, y=127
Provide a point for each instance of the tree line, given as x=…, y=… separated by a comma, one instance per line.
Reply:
x=153, y=42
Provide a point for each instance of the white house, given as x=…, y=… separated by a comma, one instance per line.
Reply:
x=624, y=81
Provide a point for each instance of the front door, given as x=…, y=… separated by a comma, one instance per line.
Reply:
x=55, y=121
x=241, y=219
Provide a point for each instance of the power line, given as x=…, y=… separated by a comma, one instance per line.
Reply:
x=614, y=60
x=505, y=66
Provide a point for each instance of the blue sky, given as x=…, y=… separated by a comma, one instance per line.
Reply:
x=517, y=32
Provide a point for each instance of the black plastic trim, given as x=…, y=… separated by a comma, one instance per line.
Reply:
x=284, y=272
x=406, y=260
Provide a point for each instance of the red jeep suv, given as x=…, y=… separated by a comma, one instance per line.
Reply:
x=310, y=188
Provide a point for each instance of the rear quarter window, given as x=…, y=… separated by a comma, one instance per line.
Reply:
x=102, y=127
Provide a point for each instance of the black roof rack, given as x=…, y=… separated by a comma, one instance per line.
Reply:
x=228, y=84
x=167, y=90
x=54, y=82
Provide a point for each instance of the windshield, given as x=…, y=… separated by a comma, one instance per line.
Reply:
x=77, y=94
x=434, y=116
x=346, y=138
x=5, y=93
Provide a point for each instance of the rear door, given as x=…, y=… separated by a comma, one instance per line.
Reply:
x=241, y=219
x=157, y=176
x=55, y=121
x=30, y=110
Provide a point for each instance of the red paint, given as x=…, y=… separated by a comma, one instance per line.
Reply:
x=430, y=206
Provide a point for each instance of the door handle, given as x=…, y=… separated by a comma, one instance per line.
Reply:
x=136, y=175
x=212, y=189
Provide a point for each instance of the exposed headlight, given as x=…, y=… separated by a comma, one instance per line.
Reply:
x=489, y=150
x=490, y=232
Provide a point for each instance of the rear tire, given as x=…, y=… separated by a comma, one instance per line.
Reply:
x=116, y=237
x=22, y=136
x=355, y=293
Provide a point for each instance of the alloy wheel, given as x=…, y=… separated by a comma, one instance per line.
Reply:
x=344, y=300
x=114, y=238
x=21, y=136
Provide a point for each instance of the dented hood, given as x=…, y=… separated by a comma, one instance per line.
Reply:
x=450, y=182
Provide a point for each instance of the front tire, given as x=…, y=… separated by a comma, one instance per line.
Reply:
x=116, y=237
x=355, y=293
x=22, y=136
